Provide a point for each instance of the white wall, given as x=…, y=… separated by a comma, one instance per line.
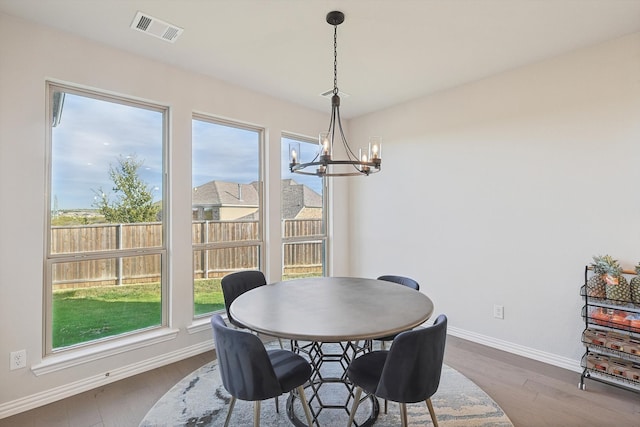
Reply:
x=31, y=54
x=500, y=191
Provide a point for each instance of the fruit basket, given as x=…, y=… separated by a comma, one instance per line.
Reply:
x=613, y=370
x=611, y=337
x=612, y=318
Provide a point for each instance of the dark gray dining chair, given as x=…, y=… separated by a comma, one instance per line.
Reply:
x=401, y=280
x=409, y=372
x=251, y=372
x=236, y=284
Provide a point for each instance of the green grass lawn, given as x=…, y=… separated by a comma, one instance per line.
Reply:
x=88, y=314
x=207, y=296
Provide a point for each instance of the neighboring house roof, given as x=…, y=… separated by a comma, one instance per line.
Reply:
x=221, y=193
x=298, y=198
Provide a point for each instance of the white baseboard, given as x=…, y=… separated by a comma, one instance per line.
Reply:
x=520, y=350
x=48, y=396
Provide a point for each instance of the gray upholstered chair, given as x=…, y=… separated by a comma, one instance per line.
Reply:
x=250, y=372
x=407, y=373
x=236, y=284
x=401, y=280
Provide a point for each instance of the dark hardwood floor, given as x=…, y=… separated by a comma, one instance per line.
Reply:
x=533, y=394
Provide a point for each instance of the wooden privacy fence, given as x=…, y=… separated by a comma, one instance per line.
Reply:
x=300, y=257
x=109, y=270
x=105, y=237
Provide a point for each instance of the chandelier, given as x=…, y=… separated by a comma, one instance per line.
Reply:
x=367, y=161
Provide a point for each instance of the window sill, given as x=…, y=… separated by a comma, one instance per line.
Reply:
x=72, y=358
x=202, y=324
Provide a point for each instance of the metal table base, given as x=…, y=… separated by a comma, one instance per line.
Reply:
x=330, y=389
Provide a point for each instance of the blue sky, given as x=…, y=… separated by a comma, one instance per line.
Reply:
x=93, y=134
x=223, y=153
x=231, y=154
x=90, y=137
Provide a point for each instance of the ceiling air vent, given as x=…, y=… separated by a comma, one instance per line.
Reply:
x=156, y=27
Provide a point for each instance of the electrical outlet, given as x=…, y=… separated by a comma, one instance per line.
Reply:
x=498, y=311
x=18, y=359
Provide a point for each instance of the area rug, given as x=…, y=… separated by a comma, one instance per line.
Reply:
x=200, y=399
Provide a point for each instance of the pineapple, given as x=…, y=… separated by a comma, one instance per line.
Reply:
x=616, y=288
x=596, y=285
x=634, y=284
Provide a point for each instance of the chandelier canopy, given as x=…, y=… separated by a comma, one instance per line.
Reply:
x=367, y=161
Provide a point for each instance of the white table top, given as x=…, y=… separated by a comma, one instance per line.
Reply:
x=332, y=309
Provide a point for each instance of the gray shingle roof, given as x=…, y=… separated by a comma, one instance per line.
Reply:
x=295, y=197
x=221, y=193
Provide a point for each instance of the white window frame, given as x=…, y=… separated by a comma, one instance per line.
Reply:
x=60, y=358
x=260, y=241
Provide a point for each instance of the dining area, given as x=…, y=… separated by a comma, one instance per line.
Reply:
x=346, y=347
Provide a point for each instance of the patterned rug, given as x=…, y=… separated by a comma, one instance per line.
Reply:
x=201, y=400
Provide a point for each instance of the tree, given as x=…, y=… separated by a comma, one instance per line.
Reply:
x=134, y=200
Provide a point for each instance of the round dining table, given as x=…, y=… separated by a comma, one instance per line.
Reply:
x=345, y=312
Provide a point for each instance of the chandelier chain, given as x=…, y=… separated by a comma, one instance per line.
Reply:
x=335, y=59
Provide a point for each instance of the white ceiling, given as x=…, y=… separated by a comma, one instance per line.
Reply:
x=389, y=51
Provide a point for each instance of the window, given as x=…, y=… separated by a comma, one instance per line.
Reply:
x=303, y=215
x=226, y=206
x=106, y=251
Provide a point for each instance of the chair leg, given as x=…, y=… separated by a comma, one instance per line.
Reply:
x=256, y=413
x=385, y=406
x=354, y=407
x=231, y=405
x=277, y=405
x=432, y=413
x=305, y=405
x=403, y=415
